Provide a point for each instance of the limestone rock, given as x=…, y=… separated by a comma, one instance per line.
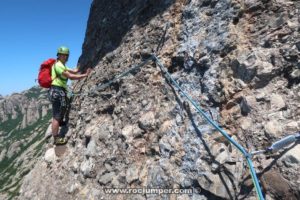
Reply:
x=212, y=182
x=246, y=123
x=87, y=168
x=247, y=104
x=277, y=102
x=295, y=73
x=91, y=150
x=73, y=188
x=130, y=132
x=50, y=156
x=48, y=132
x=13, y=149
x=147, y=121
x=132, y=174
x=2, y=154
x=273, y=129
x=106, y=178
x=278, y=186
x=103, y=131
x=291, y=127
x=292, y=157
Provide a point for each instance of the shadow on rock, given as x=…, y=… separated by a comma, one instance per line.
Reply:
x=112, y=21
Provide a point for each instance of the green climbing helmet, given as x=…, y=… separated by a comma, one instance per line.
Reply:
x=63, y=50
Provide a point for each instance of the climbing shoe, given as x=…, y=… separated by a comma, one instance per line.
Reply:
x=60, y=140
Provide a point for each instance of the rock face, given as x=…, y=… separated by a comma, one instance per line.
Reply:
x=237, y=59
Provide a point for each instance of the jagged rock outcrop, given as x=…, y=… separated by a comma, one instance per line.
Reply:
x=30, y=106
x=23, y=120
x=238, y=59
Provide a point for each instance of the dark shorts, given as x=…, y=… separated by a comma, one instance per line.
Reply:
x=59, y=100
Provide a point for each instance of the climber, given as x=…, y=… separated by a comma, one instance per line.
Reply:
x=58, y=91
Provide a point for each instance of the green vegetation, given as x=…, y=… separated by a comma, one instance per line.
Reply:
x=15, y=192
x=38, y=149
x=8, y=166
x=11, y=124
x=13, y=169
x=34, y=92
x=21, y=134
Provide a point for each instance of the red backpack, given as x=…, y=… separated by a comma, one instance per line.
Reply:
x=44, y=77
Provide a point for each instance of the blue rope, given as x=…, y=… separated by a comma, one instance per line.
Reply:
x=200, y=111
x=239, y=147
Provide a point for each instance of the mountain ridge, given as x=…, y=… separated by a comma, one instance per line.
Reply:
x=24, y=118
x=239, y=60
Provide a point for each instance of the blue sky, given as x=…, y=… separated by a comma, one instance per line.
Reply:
x=31, y=31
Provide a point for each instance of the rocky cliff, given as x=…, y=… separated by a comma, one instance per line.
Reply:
x=24, y=117
x=238, y=59
x=29, y=106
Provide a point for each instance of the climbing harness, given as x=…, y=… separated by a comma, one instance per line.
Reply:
x=168, y=76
